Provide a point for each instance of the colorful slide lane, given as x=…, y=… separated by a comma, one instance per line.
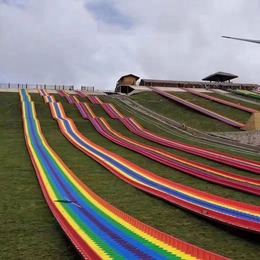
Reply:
x=255, y=91
x=43, y=92
x=221, y=101
x=62, y=93
x=247, y=93
x=81, y=93
x=94, y=100
x=190, y=167
x=69, y=98
x=198, y=108
x=220, y=209
x=46, y=97
x=137, y=129
x=97, y=229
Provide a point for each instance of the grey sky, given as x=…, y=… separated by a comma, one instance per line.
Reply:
x=94, y=42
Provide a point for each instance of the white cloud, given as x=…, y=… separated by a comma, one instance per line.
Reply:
x=63, y=42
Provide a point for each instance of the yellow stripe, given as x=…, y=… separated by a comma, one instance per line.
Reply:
x=90, y=110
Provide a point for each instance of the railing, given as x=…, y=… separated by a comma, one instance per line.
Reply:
x=35, y=86
x=88, y=89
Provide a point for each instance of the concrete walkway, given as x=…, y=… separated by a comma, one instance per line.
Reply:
x=247, y=137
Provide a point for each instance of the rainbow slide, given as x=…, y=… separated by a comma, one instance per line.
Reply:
x=220, y=209
x=62, y=93
x=247, y=93
x=69, y=98
x=198, y=108
x=81, y=93
x=137, y=129
x=221, y=101
x=93, y=99
x=43, y=92
x=254, y=92
x=190, y=167
x=46, y=97
x=97, y=229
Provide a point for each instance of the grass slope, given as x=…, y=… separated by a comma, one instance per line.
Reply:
x=188, y=116
x=30, y=231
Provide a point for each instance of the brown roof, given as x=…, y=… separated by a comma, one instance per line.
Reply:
x=128, y=76
x=220, y=76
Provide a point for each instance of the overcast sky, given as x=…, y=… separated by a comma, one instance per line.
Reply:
x=95, y=42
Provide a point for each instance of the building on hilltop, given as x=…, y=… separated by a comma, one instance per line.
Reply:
x=124, y=84
x=218, y=77
x=129, y=79
x=218, y=80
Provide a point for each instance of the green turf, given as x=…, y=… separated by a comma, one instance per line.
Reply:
x=40, y=238
x=188, y=116
x=27, y=228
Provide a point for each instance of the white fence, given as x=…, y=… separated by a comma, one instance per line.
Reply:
x=35, y=86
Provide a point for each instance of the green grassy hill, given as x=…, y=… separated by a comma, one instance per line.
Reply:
x=188, y=116
x=28, y=229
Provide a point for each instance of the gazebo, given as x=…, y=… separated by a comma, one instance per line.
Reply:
x=220, y=77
